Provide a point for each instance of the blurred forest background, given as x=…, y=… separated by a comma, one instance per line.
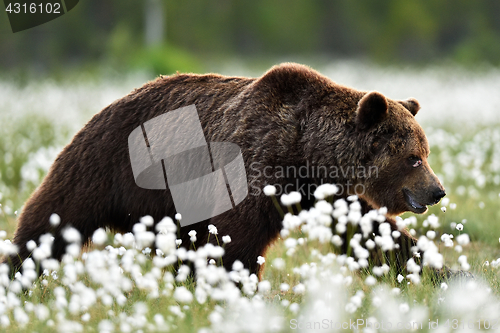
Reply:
x=166, y=36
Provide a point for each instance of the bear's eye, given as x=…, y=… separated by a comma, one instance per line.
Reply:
x=415, y=161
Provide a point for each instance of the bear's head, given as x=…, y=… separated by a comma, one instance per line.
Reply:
x=396, y=150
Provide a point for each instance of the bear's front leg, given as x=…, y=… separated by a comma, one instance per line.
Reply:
x=252, y=226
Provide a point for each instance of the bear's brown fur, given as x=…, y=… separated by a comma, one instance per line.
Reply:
x=292, y=116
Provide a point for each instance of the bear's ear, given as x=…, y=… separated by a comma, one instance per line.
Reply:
x=372, y=109
x=412, y=105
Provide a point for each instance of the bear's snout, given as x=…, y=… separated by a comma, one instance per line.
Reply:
x=417, y=199
x=438, y=194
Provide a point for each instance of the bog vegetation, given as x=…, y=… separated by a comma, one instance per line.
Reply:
x=118, y=285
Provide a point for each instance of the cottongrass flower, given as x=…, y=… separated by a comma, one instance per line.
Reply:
x=412, y=266
x=385, y=240
x=299, y=289
x=261, y=260
x=337, y=240
x=370, y=280
x=226, y=239
x=278, y=263
x=182, y=295
x=291, y=199
x=44, y=250
x=106, y=326
x=284, y=287
x=433, y=221
x=71, y=235
x=285, y=200
x=324, y=207
x=166, y=225
x=370, y=244
x=431, y=234
x=381, y=270
x=413, y=278
x=463, y=239
x=463, y=262
x=495, y=263
x=264, y=287
x=269, y=190
x=54, y=220
x=237, y=265
x=447, y=240
x=291, y=221
x=192, y=236
x=31, y=245
x=404, y=308
x=340, y=208
x=432, y=257
x=147, y=220
x=295, y=197
x=325, y=190
x=99, y=237
x=212, y=229
x=143, y=237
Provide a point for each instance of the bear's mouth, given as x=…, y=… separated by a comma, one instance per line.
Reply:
x=413, y=204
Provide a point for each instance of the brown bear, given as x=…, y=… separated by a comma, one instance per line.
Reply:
x=290, y=117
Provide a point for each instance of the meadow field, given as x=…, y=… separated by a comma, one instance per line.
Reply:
x=118, y=285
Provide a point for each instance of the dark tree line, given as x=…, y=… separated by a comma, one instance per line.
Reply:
x=386, y=31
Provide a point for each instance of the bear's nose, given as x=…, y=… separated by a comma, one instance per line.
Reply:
x=438, y=194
